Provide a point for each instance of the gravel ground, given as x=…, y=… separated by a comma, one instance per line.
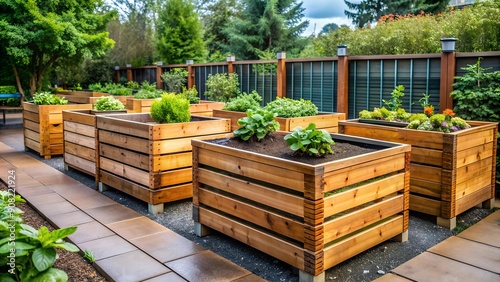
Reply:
x=369, y=265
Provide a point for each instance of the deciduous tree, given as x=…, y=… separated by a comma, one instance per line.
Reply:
x=37, y=34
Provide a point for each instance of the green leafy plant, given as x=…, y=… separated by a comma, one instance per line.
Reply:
x=8, y=89
x=244, y=102
x=108, y=103
x=395, y=103
x=89, y=256
x=258, y=123
x=175, y=79
x=170, y=108
x=286, y=107
x=132, y=85
x=476, y=96
x=27, y=254
x=310, y=141
x=148, y=91
x=191, y=95
x=47, y=98
x=222, y=86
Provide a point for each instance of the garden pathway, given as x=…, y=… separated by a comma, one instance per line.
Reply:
x=127, y=245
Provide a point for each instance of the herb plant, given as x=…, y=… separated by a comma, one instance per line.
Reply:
x=310, y=141
x=47, y=98
x=34, y=251
x=170, y=108
x=244, y=102
x=191, y=95
x=222, y=86
x=108, y=103
x=395, y=103
x=286, y=107
x=258, y=123
x=175, y=79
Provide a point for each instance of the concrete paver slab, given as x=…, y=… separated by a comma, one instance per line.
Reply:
x=107, y=247
x=136, y=227
x=70, y=219
x=112, y=213
x=89, y=231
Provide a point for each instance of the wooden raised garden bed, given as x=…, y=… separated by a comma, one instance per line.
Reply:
x=309, y=216
x=81, y=97
x=203, y=108
x=43, y=127
x=81, y=141
x=151, y=161
x=450, y=172
x=326, y=121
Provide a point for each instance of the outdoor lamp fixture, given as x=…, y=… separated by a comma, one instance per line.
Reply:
x=117, y=68
x=342, y=50
x=159, y=63
x=129, y=65
x=230, y=58
x=281, y=55
x=448, y=45
x=189, y=62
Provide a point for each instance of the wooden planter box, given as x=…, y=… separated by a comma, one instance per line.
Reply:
x=326, y=121
x=81, y=97
x=450, y=173
x=43, y=127
x=203, y=108
x=279, y=206
x=81, y=140
x=151, y=161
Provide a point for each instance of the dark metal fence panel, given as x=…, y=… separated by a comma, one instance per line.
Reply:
x=144, y=74
x=314, y=80
x=373, y=80
x=201, y=73
x=259, y=76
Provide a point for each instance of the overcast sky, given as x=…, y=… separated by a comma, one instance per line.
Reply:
x=322, y=12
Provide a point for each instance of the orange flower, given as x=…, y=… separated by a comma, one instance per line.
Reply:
x=449, y=112
x=429, y=111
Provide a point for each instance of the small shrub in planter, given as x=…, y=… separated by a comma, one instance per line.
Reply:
x=222, y=86
x=191, y=95
x=175, y=79
x=310, y=141
x=108, y=103
x=244, y=102
x=35, y=250
x=288, y=108
x=170, y=108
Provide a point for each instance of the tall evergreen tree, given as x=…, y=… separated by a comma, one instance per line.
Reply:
x=179, y=33
x=220, y=14
x=368, y=11
x=272, y=25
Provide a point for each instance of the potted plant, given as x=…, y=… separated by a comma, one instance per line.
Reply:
x=81, y=139
x=452, y=162
x=291, y=113
x=159, y=144
x=288, y=196
x=42, y=122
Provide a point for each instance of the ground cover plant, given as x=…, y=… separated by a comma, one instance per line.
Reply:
x=28, y=254
x=287, y=108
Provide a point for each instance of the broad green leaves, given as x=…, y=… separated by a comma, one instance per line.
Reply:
x=310, y=141
x=257, y=123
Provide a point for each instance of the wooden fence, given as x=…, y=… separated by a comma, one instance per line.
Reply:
x=346, y=84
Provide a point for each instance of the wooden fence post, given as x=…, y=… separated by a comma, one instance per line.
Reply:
x=129, y=73
x=117, y=74
x=448, y=66
x=281, y=75
x=230, y=66
x=159, y=70
x=190, y=70
x=343, y=80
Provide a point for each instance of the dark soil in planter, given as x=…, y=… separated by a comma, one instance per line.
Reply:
x=276, y=146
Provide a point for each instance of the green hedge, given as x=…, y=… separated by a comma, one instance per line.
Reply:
x=8, y=89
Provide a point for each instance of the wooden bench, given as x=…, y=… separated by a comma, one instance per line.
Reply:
x=9, y=108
